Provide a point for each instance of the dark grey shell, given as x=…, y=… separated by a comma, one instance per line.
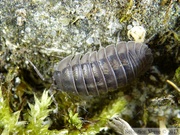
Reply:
x=109, y=68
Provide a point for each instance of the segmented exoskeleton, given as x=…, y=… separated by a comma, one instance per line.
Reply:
x=109, y=68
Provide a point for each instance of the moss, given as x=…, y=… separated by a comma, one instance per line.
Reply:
x=37, y=115
x=36, y=119
x=74, y=120
x=70, y=117
x=177, y=76
x=127, y=13
x=9, y=123
x=115, y=107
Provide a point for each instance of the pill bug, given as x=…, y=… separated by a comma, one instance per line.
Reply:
x=98, y=72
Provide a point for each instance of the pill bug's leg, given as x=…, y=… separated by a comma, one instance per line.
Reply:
x=37, y=71
x=118, y=37
x=53, y=98
x=50, y=89
x=151, y=38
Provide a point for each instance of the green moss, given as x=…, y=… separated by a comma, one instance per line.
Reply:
x=101, y=119
x=145, y=115
x=37, y=121
x=38, y=114
x=9, y=121
x=74, y=123
x=177, y=76
x=74, y=120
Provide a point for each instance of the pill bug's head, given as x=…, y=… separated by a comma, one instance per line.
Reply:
x=56, y=79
